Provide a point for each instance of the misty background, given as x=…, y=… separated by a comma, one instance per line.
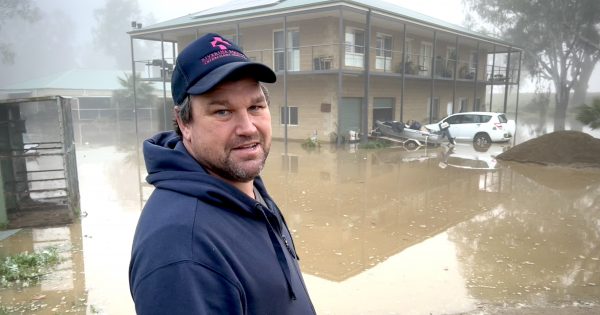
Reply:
x=61, y=35
x=49, y=37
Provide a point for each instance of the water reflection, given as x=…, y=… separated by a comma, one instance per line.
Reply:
x=356, y=216
x=470, y=156
x=63, y=291
x=378, y=231
x=539, y=246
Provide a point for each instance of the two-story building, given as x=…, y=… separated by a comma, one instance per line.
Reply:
x=341, y=65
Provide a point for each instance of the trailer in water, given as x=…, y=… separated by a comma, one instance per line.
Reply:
x=397, y=132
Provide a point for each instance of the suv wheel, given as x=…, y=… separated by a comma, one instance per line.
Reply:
x=482, y=140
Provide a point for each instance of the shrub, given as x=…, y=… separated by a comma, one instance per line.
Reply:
x=27, y=267
x=590, y=115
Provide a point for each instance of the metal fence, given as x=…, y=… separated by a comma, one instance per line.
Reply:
x=37, y=158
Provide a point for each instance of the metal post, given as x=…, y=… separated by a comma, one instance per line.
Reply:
x=492, y=76
x=60, y=103
x=164, y=73
x=341, y=49
x=285, y=91
x=506, y=79
x=367, y=77
x=454, y=73
x=403, y=72
x=3, y=212
x=432, y=65
x=476, y=74
x=137, y=134
x=517, y=105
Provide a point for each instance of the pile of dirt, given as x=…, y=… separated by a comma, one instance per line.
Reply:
x=562, y=148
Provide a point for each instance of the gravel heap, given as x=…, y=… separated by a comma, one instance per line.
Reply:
x=561, y=148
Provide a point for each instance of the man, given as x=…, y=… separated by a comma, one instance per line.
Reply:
x=210, y=239
x=445, y=129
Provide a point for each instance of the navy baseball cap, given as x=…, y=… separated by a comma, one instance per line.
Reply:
x=209, y=60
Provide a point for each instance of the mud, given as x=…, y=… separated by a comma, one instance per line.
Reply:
x=561, y=148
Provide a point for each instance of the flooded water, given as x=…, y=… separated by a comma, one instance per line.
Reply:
x=389, y=231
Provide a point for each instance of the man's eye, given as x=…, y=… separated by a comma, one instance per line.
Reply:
x=222, y=113
x=255, y=108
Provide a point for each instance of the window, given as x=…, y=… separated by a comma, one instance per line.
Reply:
x=355, y=47
x=484, y=118
x=470, y=119
x=293, y=56
x=409, y=51
x=473, y=61
x=462, y=104
x=383, y=52
x=425, y=60
x=450, y=55
x=456, y=119
x=292, y=117
x=450, y=60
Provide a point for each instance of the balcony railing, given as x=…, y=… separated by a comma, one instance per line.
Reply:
x=326, y=58
x=155, y=69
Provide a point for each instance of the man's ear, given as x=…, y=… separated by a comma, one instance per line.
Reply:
x=184, y=128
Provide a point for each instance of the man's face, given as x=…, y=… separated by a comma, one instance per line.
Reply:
x=230, y=131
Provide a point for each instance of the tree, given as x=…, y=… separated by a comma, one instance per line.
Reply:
x=113, y=22
x=11, y=9
x=560, y=39
x=46, y=47
x=144, y=92
x=590, y=115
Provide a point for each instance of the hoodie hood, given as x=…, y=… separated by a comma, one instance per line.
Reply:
x=171, y=167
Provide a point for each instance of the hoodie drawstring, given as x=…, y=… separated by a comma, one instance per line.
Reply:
x=279, y=252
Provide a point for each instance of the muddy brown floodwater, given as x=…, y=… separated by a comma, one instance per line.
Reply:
x=378, y=232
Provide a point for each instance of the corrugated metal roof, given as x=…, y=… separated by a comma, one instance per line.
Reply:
x=234, y=10
x=77, y=79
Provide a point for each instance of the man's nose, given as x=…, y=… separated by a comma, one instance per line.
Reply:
x=245, y=124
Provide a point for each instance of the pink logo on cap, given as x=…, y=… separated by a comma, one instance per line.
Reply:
x=218, y=42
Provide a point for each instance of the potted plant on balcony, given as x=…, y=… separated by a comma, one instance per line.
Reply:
x=464, y=73
x=409, y=67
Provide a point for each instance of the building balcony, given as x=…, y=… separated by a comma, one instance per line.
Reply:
x=328, y=58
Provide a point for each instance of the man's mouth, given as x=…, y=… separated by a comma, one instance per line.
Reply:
x=248, y=146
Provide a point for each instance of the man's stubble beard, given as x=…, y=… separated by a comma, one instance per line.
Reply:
x=228, y=169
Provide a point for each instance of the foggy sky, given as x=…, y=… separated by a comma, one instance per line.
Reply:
x=62, y=40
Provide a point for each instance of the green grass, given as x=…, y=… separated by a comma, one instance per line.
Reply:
x=310, y=144
x=24, y=268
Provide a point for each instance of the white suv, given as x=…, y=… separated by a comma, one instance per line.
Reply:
x=482, y=128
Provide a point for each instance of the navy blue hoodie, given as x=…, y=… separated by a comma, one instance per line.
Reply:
x=203, y=247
